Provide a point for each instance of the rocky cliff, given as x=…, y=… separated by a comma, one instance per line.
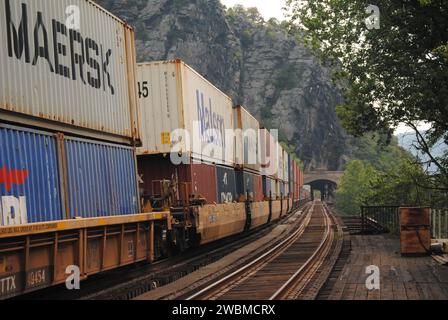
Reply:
x=255, y=62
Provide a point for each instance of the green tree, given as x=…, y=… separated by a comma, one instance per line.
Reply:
x=395, y=74
x=355, y=187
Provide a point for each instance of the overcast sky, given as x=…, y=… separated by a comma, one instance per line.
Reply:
x=268, y=8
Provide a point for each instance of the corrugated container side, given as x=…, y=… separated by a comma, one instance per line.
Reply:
x=268, y=154
x=226, y=184
x=193, y=179
x=179, y=98
x=101, y=179
x=29, y=177
x=83, y=79
x=249, y=182
x=266, y=186
x=275, y=190
x=247, y=153
x=203, y=177
x=290, y=174
x=280, y=162
x=285, y=166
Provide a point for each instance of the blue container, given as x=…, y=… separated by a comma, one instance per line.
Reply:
x=266, y=186
x=101, y=178
x=282, y=188
x=30, y=189
x=226, y=185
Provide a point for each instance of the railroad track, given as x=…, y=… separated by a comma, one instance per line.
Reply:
x=283, y=271
x=129, y=282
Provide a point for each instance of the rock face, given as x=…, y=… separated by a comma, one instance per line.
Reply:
x=255, y=62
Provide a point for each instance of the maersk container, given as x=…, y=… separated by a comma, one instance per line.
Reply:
x=79, y=80
x=191, y=180
x=101, y=179
x=268, y=153
x=248, y=182
x=226, y=185
x=30, y=189
x=182, y=112
x=247, y=128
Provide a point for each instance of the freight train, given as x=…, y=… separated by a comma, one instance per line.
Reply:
x=105, y=162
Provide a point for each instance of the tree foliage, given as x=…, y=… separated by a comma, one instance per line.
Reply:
x=383, y=175
x=391, y=75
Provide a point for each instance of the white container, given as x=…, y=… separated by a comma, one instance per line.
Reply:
x=78, y=79
x=285, y=166
x=183, y=112
x=247, y=153
x=280, y=162
x=268, y=154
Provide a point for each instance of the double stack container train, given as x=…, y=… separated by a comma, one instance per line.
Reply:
x=105, y=163
x=204, y=159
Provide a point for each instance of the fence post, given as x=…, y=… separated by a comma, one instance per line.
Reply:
x=445, y=213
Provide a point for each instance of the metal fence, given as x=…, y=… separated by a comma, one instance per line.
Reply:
x=439, y=223
x=378, y=219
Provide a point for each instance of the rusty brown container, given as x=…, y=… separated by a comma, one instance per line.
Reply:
x=194, y=179
x=415, y=235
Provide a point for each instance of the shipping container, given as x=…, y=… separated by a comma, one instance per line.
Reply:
x=275, y=188
x=226, y=185
x=101, y=179
x=270, y=186
x=280, y=162
x=196, y=180
x=182, y=112
x=285, y=166
x=30, y=187
x=67, y=80
x=247, y=182
x=282, y=188
x=268, y=153
x=290, y=174
x=47, y=177
x=247, y=128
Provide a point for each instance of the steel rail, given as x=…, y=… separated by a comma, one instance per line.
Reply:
x=306, y=265
x=282, y=245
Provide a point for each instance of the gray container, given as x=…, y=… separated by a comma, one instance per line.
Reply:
x=226, y=184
